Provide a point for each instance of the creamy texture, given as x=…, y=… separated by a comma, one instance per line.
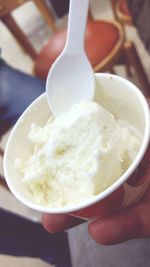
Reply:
x=77, y=155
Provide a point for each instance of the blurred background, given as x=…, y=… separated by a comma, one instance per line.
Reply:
x=32, y=34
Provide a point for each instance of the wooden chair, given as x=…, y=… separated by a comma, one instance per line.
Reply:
x=6, y=8
x=101, y=51
x=105, y=46
x=123, y=15
x=104, y=42
x=121, y=11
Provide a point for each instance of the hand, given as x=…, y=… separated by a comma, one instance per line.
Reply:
x=133, y=222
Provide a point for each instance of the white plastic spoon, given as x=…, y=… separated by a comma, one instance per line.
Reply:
x=71, y=78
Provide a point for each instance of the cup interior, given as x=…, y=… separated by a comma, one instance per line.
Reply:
x=122, y=99
x=117, y=95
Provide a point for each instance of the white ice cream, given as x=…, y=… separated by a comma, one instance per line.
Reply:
x=77, y=155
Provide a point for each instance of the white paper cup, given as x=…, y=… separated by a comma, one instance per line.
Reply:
x=123, y=100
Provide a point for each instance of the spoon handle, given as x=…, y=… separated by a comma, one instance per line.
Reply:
x=78, y=10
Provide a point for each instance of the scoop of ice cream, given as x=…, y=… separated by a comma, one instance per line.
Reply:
x=77, y=155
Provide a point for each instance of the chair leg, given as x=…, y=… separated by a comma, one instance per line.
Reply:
x=47, y=14
x=3, y=183
x=113, y=5
x=1, y=152
x=19, y=35
x=2, y=180
x=134, y=60
x=112, y=70
x=128, y=70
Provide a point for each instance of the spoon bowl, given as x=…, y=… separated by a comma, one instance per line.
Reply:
x=71, y=80
x=71, y=77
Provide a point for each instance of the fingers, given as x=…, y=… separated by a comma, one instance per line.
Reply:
x=115, y=229
x=130, y=223
x=127, y=224
x=56, y=223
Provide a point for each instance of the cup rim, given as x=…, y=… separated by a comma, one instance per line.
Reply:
x=94, y=199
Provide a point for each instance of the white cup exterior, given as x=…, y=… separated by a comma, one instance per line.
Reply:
x=129, y=104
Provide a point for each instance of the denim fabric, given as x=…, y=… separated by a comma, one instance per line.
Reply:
x=22, y=237
x=17, y=91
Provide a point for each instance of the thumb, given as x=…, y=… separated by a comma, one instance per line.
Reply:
x=133, y=222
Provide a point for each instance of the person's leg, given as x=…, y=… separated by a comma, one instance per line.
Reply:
x=17, y=91
x=22, y=237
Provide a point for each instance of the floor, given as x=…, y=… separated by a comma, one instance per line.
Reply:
x=34, y=25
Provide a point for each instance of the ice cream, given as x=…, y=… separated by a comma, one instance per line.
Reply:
x=77, y=155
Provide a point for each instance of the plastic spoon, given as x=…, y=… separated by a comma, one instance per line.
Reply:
x=71, y=78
